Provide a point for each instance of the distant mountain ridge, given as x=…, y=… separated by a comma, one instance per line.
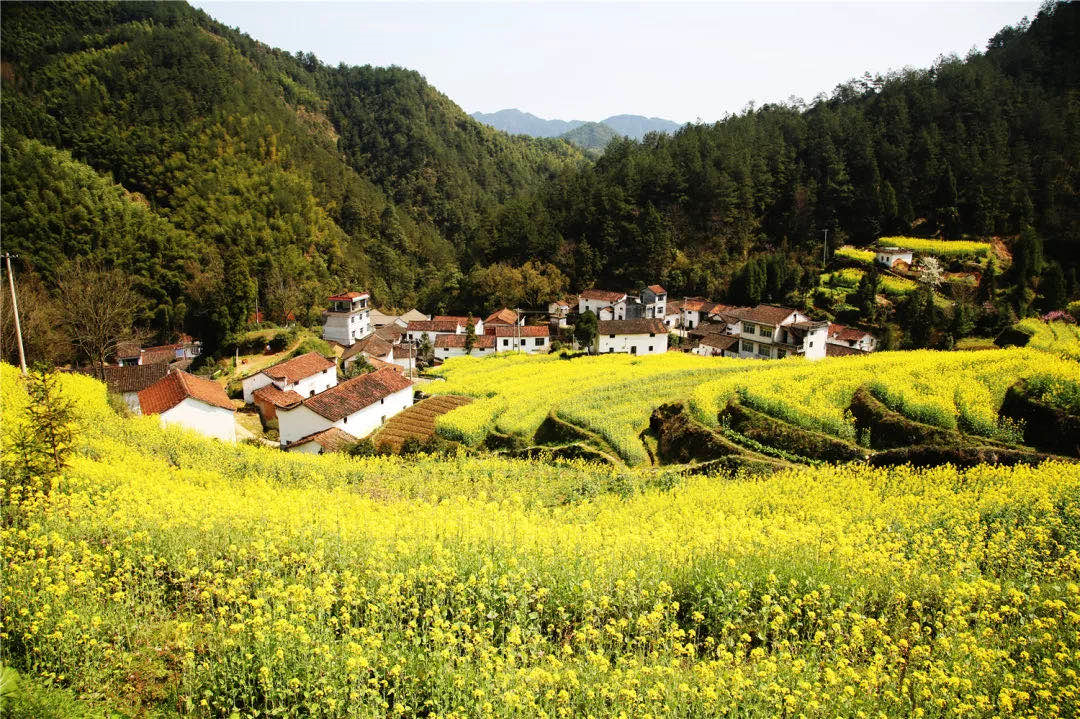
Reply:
x=517, y=122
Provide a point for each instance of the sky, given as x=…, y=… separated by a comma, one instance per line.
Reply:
x=587, y=61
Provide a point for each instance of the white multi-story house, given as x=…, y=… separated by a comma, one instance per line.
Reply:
x=889, y=256
x=415, y=331
x=695, y=310
x=596, y=300
x=654, y=302
x=193, y=402
x=532, y=339
x=356, y=406
x=845, y=336
x=447, y=346
x=558, y=311
x=638, y=337
x=772, y=332
x=347, y=319
x=306, y=375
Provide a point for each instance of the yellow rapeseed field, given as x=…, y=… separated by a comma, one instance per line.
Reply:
x=177, y=575
x=939, y=248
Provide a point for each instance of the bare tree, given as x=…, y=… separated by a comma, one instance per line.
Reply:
x=97, y=309
x=42, y=338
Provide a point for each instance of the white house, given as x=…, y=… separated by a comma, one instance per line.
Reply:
x=347, y=319
x=717, y=345
x=373, y=347
x=851, y=337
x=638, y=337
x=694, y=311
x=357, y=406
x=772, y=332
x=415, y=331
x=306, y=375
x=595, y=300
x=447, y=346
x=533, y=339
x=192, y=402
x=889, y=256
x=673, y=315
x=558, y=311
x=654, y=302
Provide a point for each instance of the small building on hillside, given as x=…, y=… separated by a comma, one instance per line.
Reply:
x=695, y=310
x=127, y=381
x=392, y=333
x=447, y=346
x=717, y=345
x=357, y=406
x=192, y=402
x=654, y=302
x=889, y=256
x=404, y=355
x=306, y=375
x=504, y=317
x=673, y=315
x=595, y=300
x=270, y=399
x=638, y=337
x=382, y=319
x=559, y=311
x=372, y=347
x=415, y=331
x=347, y=318
x=329, y=440
x=128, y=354
x=851, y=337
x=533, y=339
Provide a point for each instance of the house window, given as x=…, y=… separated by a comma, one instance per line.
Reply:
x=652, y=334
x=523, y=342
x=765, y=331
x=747, y=327
x=633, y=349
x=747, y=346
x=382, y=420
x=345, y=420
x=611, y=337
x=539, y=341
x=811, y=343
x=763, y=349
x=382, y=401
x=610, y=350
x=650, y=348
x=506, y=343
x=312, y=393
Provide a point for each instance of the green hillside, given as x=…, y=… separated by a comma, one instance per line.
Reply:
x=590, y=136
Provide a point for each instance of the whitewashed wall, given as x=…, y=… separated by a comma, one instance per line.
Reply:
x=314, y=384
x=253, y=383
x=642, y=343
x=203, y=418
x=301, y=421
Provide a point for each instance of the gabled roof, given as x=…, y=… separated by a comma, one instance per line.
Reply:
x=520, y=331
x=372, y=345
x=390, y=333
x=347, y=296
x=443, y=324
x=276, y=397
x=631, y=327
x=131, y=378
x=127, y=350
x=503, y=317
x=697, y=304
x=673, y=308
x=460, y=319
x=331, y=440
x=177, y=386
x=656, y=289
x=163, y=354
x=719, y=341
x=845, y=333
x=482, y=341
x=832, y=350
x=765, y=314
x=602, y=295
x=561, y=303
x=379, y=318
x=382, y=364
x=353, y=395
x=413, y=314
x=298, y=368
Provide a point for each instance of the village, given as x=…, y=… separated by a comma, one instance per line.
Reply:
x=314, y=402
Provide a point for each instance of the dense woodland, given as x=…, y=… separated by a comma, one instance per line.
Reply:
x=219, y=172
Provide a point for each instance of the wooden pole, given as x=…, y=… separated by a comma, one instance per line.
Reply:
x=15, y=311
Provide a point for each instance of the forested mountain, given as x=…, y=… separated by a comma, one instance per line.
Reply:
x=590, y=136
x=516, y=122
x=217, y=170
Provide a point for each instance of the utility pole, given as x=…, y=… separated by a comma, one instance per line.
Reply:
x=15, y=311
x=257, y=302
x=825, y=250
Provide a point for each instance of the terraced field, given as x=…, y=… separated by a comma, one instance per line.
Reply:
x=938, y=397
x=417, y=422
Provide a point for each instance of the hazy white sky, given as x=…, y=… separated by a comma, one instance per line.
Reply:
x=588, y=61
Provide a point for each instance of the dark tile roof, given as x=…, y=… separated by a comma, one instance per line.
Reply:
x=656, y=289
x=276, y=397
x=298, y=368
x=159, y=355
x=347, y=296
x=132, y=378
x=177, y=386
x=353, y=395
x=719, y=341
x=435, y=325
x=127, y=350
x=631, y=327
x=765, y=314
x=372, y=344
x=503, y=316
x=482, y=341
x=697, y=304
x=845, y=333
x=602, y=295
x=832, y=350
x=331, y=440
x=521, y=331
x=390, y=333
